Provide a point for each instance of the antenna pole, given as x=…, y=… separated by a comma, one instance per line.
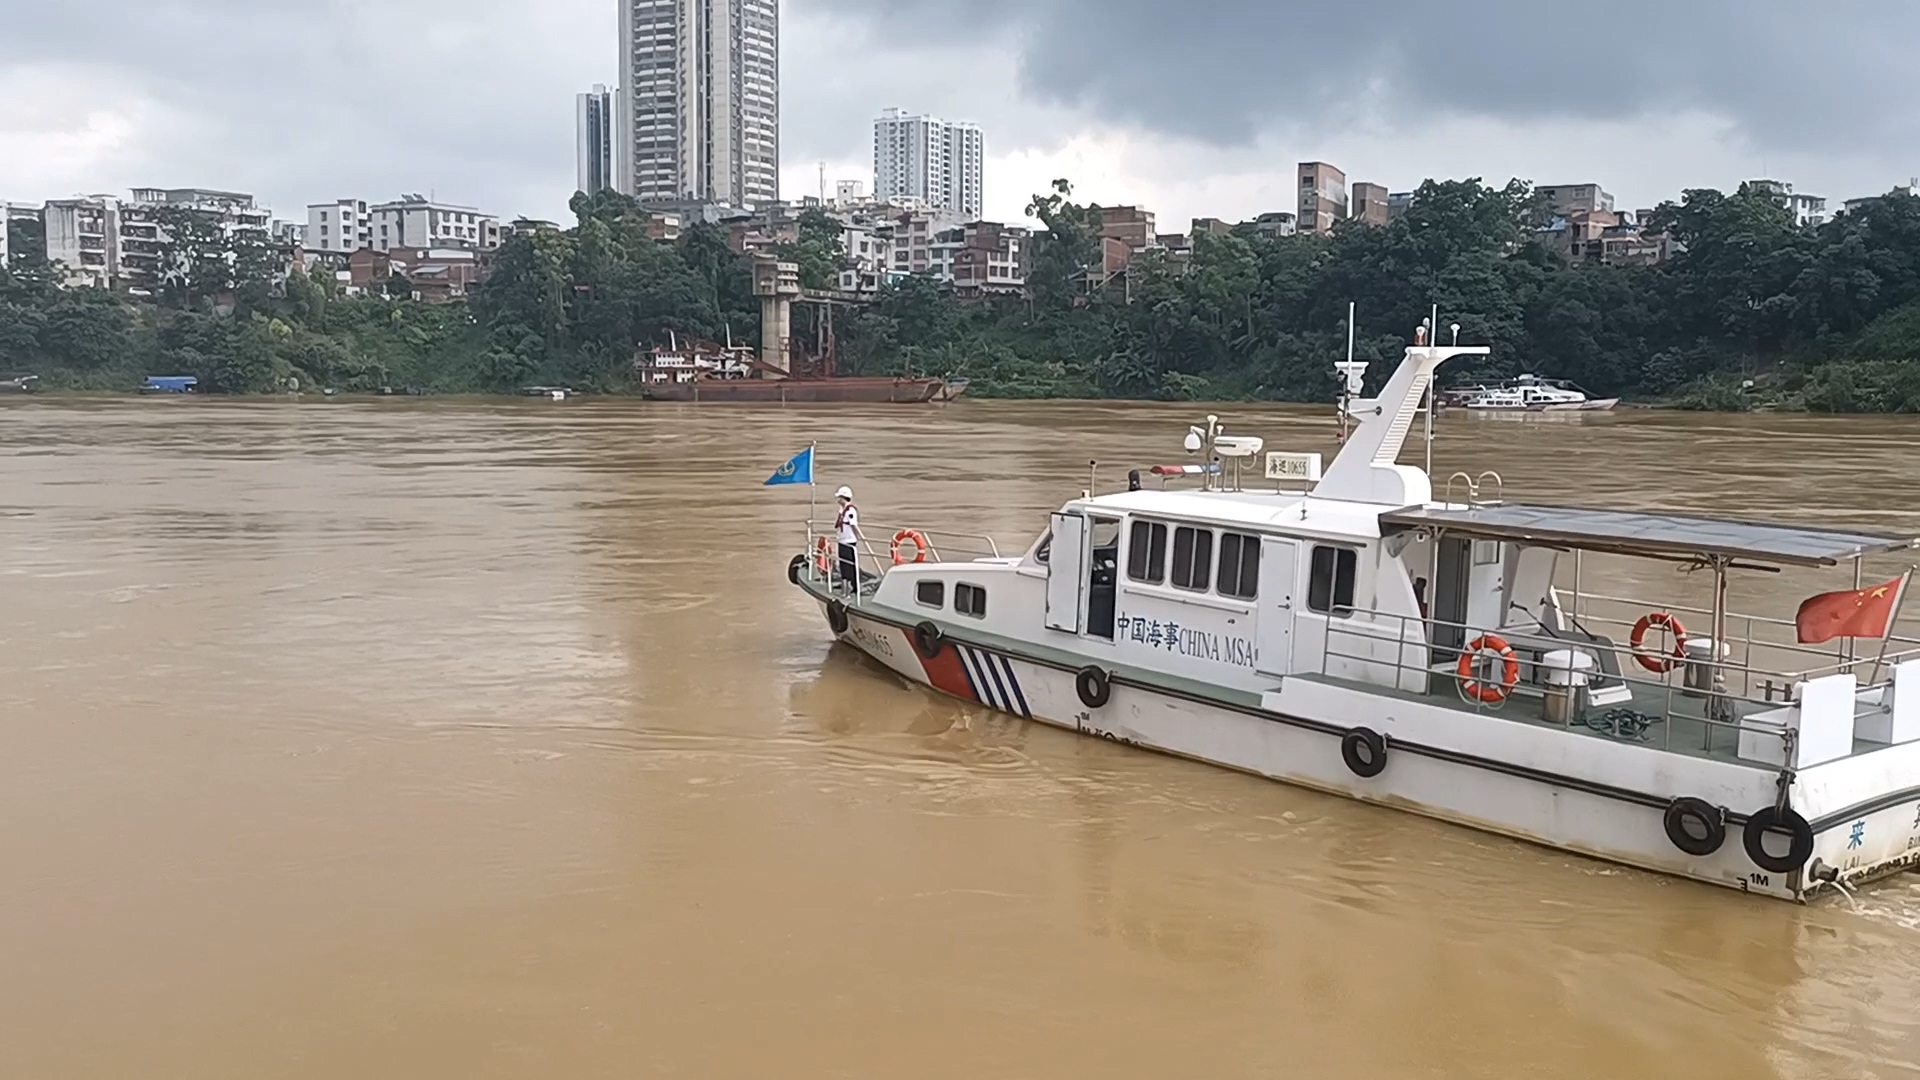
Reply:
x=1345, y=385
x=1432, y=332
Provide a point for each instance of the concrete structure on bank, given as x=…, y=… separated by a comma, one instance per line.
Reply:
x=777, y=284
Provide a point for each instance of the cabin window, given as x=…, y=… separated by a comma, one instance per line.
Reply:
x=1192, y=558
x=1147, y=553
x=1330, y=591
x=970, y=600
x=1239, y=576
x=931, y=594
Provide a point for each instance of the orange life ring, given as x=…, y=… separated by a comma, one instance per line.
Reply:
x=1658, y=663
x=1490, y=693
x=823, y=556
x=919, y=541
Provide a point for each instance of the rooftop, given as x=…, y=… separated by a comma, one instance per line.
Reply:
x=1627, y=532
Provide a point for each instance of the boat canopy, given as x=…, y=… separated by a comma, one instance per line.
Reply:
x=1648, y=535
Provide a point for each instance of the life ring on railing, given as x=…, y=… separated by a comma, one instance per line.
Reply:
x=1658, y=663
x=914, y=536
x=1769, y=820
x=1093, y=685
x=823, y=557
x=1695, y=826
x=1365, y=752
x=1489, y=693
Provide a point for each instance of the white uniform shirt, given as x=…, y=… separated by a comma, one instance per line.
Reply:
x=848, y=521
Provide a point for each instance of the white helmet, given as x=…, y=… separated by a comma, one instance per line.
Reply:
x=844, y=493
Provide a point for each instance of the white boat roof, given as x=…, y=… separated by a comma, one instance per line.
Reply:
x=1267, y=511
x=1649, y=535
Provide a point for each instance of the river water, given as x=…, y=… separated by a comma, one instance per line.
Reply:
x=443, y=739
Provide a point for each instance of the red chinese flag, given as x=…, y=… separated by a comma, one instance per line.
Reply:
x=1859, y=613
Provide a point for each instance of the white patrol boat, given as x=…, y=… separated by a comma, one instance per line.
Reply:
x=1291, y=633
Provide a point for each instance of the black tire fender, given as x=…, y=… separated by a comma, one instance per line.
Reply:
x=837, y=616
x=1365, y=752
x=1695, y=826
x=1769, y=820
x=928, y=640
x=1094, y=686
x=793, y=569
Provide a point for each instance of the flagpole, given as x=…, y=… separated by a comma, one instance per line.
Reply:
x=1892, y=621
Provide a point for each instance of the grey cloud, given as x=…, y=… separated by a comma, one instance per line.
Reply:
x=303, y=101
x=1227, y=71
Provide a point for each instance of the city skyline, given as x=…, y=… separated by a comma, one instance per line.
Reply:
x=1127, y=125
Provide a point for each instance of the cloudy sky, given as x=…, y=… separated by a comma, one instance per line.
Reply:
x=1188, y=107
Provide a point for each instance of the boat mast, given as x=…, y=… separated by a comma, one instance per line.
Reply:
x=1433, y=334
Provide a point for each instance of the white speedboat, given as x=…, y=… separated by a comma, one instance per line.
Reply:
x=1290, y=631
x=1529, y=393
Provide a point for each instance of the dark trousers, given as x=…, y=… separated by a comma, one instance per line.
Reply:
x=849, y=566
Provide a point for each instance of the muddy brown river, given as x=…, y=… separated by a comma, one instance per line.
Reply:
x=455, y=739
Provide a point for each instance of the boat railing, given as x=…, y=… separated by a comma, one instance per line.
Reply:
x=874, y=555
x=1693, y=709
x=1763, y=649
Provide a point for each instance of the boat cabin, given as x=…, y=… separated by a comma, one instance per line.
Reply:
x=1362, y=579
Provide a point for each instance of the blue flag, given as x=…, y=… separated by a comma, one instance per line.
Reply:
x=797, y=470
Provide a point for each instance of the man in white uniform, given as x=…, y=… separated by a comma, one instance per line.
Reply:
x=846, y=530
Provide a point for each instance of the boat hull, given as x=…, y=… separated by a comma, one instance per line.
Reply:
x=1430, y=781
x=914, y=391
x=1600, y=405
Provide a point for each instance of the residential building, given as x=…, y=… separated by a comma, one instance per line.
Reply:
x=1807, y=210
x=593, y=136
x=1212, y=226
x=698, y=110
x=1370, y=204
x=417, y=222
x=110, y=243
x=342, y=225
x=83, y=237
x=1275, y=223
x=1130, y=225
x=433, y=275
x=991, y=258
x=849, y=192
x=289, y=233
x=939, y=162
x=1323, y=196
x=1906, y=191
x=1564, y=199
x=914, y=234
x=1399, y=203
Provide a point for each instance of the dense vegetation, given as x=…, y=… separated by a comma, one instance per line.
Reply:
x=1822, y=318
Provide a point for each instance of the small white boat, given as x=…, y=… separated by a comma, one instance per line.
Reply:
x=1529, y=393
x=1349, y=632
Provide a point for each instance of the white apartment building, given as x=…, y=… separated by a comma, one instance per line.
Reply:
x=1807, y=210
x=109, y=243
x=415, y=222
x=594, y=128
x=347, y=225
x=938, y=162
x=698, y=110
x=341, y=225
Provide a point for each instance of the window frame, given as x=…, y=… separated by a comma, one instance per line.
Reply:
x=978, y=590
x=1159, y=567
x=1333, y=608
x=939, y=584
x=1242, y=542
x=1203, y=583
